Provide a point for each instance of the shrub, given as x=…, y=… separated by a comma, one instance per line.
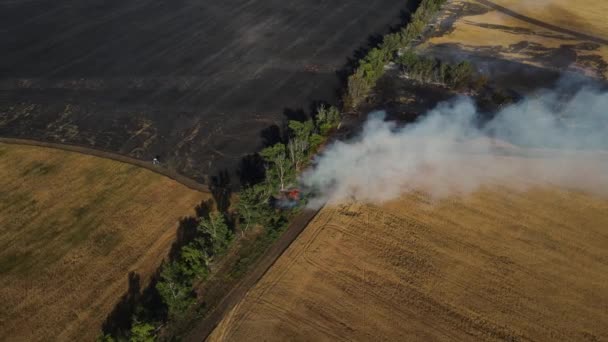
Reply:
x=142, y=332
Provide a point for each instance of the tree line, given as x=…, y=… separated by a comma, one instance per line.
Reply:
x=177, y=278
x=371, y=67
x=282, y=162
x=214, y=234
x=431, y=70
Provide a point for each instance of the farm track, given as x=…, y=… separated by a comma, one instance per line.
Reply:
x=236, y=295
x=543, y=24
x=541, y=40
x=188, y=182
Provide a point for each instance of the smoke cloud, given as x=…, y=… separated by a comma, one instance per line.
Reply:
x=546, y=139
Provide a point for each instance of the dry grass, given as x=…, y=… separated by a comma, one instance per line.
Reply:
x=498, y=264
x=516, y=39
x=584, y=16
x=71, y=229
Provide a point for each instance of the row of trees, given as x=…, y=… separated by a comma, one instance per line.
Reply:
x=213, y=234
x=178, y=277
x=427, y=69
x=282, y=162
x=371, y=67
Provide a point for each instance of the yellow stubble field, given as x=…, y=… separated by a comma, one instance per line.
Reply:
x=72, y=227
x=504, y=262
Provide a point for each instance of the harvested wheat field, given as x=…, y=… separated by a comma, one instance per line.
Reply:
x=496, y=264
x=550, y=33
x=72, y=227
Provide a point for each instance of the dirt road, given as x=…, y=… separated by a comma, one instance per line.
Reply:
x=236, y=295
x=190, y=183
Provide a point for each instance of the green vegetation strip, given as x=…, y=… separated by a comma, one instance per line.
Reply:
x=257, y=206
x=371, y=67
x=188, y=182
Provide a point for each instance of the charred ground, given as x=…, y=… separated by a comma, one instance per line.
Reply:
x=500, y=35
x=193, y=82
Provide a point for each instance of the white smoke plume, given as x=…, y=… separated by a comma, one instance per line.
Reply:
x=541, y=140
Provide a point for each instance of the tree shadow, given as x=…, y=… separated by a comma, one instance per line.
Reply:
x=118, y=321
x=271, y=135
x=186, y=230
x=143, y=304
x=221, y=191
x=251, y=170
x=147, y=303
x=204, y=209
x=151, y=306
x=405, y=15
x=295, y=114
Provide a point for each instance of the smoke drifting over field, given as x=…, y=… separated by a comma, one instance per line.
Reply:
x=542, y=140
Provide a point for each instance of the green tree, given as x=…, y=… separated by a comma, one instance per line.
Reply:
x=175, y=289
x=373, y=65
x=408, y=59
x=253, y=207
x=215, y=235
x=328, y=118
x=105, y=338
x=142, y=332
x=357, y=90
x=299, y=142
x=462, y=74
x=193, y=262
x=301, y=129
x=246, y=211
x=278, y=167
x=426, y=69
x=444, y=73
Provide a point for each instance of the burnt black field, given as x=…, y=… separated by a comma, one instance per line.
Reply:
x=198, y=83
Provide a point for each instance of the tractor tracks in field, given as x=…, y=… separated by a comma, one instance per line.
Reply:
x=188, y=182
x=545, y=25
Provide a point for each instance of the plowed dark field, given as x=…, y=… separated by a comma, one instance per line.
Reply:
x=195, y=82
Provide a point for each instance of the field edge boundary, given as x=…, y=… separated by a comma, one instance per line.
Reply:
x=236, y=295
x=188, y=182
